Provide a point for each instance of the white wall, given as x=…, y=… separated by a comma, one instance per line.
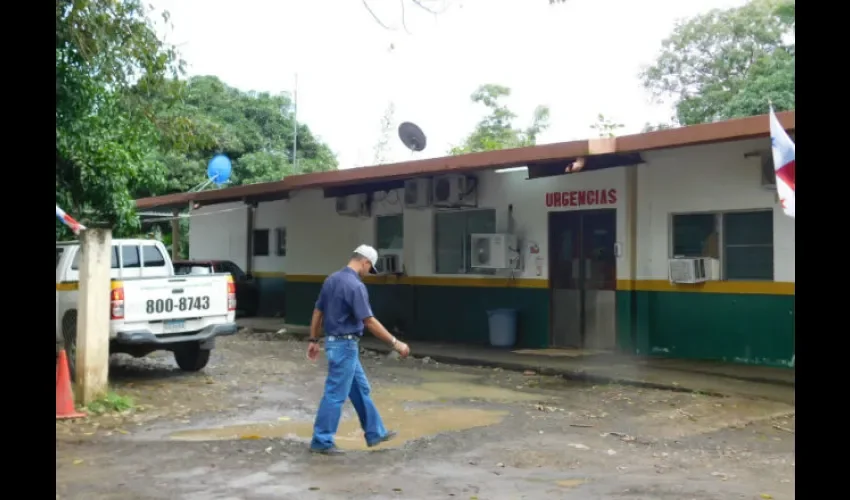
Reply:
x=704, y=178
x=219, y=232
x=320, y=241
x=271, y=216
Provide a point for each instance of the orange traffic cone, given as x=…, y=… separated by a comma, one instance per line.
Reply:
x=64, y=398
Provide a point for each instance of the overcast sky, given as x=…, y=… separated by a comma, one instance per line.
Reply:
x=580, y=58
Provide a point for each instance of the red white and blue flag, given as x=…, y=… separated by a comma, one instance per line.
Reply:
x=784, y=164
x=69, y=221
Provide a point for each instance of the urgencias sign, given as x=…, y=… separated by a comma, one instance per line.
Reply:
x=583, y=198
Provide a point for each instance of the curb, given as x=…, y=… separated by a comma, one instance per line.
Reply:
x=577, y=375
x=301, y=333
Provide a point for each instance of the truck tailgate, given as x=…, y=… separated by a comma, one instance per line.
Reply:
x=165, y=299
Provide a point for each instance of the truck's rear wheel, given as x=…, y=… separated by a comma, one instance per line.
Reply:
x=192, y=358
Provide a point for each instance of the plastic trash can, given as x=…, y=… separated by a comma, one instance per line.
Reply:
x=502, y=323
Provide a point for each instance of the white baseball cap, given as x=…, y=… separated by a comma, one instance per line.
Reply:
x=371, y=255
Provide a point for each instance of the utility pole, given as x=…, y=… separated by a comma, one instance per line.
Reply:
x=295, y=126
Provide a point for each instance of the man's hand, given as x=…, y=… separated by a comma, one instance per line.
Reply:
x=402, y=348
x=313, y=351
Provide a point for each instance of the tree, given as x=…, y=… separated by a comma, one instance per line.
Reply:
x=496, y=131
x=254, y=129
x=103, y=47
x=605, y=127
x=728, y=63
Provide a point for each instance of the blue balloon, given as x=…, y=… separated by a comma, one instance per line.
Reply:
x=219, y=169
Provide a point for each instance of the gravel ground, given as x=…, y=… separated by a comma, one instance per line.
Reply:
x=239, y=430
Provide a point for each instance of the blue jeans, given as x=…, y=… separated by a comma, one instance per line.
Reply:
x=346, y=380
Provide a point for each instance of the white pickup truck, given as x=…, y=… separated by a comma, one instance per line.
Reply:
x=151, y=308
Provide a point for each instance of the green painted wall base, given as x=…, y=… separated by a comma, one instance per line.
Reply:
x=272, y=295
x=742, y=328
x=441, y=313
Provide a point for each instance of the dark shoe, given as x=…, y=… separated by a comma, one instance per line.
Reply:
x=333, y=450
x=388, y=436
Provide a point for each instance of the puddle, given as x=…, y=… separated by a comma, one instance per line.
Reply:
x=391, y=400
x=410, y=425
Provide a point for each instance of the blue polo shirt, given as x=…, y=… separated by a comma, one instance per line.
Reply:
x=344, y=303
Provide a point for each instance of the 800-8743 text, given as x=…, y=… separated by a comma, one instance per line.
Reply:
x=181, y=304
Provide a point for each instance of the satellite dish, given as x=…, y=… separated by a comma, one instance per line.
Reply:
x=412, y=136
x=219, y=169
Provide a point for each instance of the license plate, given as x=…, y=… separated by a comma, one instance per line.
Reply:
x=171, y=326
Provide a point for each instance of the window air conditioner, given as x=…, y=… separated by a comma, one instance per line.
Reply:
x=693, y=270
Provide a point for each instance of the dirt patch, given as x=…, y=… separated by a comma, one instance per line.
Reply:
x=465, y=432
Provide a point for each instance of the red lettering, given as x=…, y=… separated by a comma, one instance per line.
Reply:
x=582, y=198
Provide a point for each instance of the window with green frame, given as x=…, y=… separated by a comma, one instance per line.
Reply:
x=451, y=238
x=741, y=240
x=389, y=232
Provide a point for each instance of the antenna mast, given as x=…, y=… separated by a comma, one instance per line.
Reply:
x=295, y=126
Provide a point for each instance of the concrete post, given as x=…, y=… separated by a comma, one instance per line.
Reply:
x=92, y=356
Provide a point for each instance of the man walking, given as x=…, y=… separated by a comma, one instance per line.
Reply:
x=343, y=308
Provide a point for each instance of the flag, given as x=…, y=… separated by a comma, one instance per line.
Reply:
x=69, y=221
x=783, y=164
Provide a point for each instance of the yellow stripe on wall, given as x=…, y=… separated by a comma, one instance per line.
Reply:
x=740, y=287
x=735, y=287
x=433, y=281
x=268, y=274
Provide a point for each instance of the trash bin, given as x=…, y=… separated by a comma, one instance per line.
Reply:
x=502, y=323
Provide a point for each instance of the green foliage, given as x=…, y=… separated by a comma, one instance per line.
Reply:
x=127, y=127
x=495, y=131
x=728, y=63
x=254, y=129
x=605, y=127
x=102, y=48
x=111, y=403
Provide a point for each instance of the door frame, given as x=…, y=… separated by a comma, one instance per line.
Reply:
x=580, y=213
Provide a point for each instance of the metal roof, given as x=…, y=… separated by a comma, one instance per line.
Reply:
x=725, y=131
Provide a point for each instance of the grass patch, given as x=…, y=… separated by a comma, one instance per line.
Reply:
x=111, y=403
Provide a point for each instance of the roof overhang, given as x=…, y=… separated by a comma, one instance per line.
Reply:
x=623, y=150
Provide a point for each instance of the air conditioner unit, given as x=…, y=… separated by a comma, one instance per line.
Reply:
x=693, y=270
x=356, y=205
x=494, y=251
x=390, y=262
x=455, y=190
x=768, y=171
x=417, y=193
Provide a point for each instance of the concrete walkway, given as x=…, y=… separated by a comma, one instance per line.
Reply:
x=776, y=384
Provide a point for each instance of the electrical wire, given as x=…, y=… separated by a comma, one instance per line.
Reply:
x=190, y=215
